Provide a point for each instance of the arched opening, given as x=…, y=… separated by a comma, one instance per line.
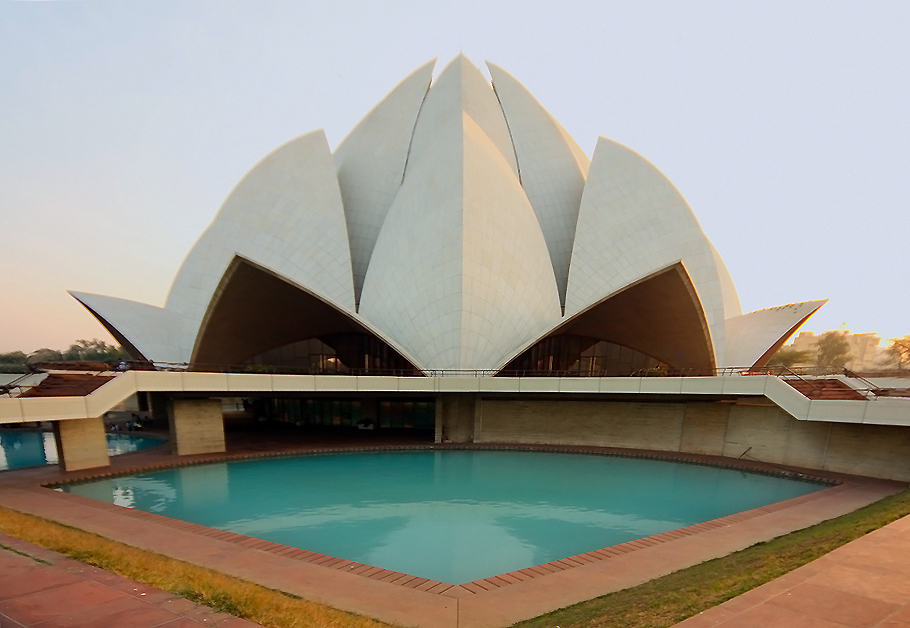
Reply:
x=259, y=320
x=656, y=323
x=580, y=356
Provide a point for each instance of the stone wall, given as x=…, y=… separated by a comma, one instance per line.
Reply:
x=455, y=418
x=754, y=429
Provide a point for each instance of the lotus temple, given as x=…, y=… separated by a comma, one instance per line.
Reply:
x=459, y=265
x=458, y=274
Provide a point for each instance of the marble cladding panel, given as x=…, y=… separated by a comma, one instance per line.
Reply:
x=152, y=330
x=632, y=222
x=285, y=215
x=370, y=162
x=748, y=336
x=552, y=168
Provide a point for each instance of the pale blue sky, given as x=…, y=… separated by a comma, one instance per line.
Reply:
x=123, y=125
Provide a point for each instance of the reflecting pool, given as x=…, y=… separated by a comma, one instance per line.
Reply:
x=453, y=516
x=24, y=448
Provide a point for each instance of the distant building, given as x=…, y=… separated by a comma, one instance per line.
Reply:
x=865, y=349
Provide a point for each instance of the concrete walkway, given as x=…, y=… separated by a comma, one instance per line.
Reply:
x=44, y=589
x=864, y=584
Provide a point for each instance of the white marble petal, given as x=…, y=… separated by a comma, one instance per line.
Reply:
x=460, y=219
x=460, y=275
x=552, y=168
x=632, y=222
x=285, y=215
x=732, y=306
x=370, y=163
x=151, y=330
x=462, y=87
x=750, y=335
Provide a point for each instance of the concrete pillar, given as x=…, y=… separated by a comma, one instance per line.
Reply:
x=455, y=418
x=158, y=406
x=369, y=410
x=197, y=426
x=81, y=444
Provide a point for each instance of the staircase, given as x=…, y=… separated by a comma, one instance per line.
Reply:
x=831, y=389
x=67, y=385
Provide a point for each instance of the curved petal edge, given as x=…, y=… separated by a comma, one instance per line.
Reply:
x=753, y=338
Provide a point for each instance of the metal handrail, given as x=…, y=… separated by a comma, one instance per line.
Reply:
x=781, y=371
x=7, y=389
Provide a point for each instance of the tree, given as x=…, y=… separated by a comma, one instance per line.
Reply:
x=789, y=357
x=13, y=362
x=833, y=349
x=898, y=354
x=13, y=357
x=45, y=355
x=94, y=351
x=81, y=351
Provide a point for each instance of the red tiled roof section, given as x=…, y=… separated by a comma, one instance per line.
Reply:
x=67, y=385
x=825, y=389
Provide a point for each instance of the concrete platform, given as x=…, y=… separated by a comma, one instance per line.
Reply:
x=406, y=600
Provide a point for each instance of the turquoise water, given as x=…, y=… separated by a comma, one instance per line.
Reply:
x=453, y=516
x=20, y=448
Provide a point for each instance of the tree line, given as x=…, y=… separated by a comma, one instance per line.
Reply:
x=80, y=351
x=834, y=352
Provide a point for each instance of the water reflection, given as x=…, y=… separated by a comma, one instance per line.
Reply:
x=20, y=449
x=26, y=449
x=450, y=516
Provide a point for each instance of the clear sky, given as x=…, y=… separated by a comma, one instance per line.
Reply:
x=123, y=126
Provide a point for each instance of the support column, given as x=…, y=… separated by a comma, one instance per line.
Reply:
x=369, y=411
x=158, y=406
x=81, y=444
x=455, y=418
x=197, y=426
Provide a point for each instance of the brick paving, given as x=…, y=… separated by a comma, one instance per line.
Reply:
x=40, y=588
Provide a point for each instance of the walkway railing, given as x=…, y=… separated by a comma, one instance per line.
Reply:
x=785, y=372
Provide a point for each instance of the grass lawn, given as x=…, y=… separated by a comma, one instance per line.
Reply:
x=658, y=603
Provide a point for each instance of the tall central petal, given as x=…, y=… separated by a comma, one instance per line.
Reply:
x=460, y=274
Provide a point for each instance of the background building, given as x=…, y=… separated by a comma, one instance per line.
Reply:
x=865, y=349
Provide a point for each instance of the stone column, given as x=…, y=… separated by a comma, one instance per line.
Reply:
x=455, y=418
x=81, y=444
x=197, y=426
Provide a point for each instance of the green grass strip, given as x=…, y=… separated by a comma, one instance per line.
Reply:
x=668, y=600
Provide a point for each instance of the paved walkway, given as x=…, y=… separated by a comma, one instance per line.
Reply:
x=44, y=589
x=864, y=584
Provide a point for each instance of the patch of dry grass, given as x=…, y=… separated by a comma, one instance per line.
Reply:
x=204, y=586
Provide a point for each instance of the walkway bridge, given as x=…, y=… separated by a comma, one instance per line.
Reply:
x=464, y=400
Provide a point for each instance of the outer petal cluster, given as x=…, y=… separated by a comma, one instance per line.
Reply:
x=458, y=226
